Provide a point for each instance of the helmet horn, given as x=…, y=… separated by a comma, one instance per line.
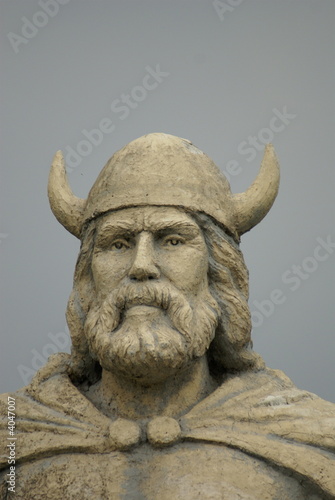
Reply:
x=252, y=205
x=66, y=207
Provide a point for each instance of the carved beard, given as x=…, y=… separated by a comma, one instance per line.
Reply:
x=150, y=332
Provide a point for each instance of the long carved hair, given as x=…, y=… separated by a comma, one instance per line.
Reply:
x=230, y=351
x=228, y=278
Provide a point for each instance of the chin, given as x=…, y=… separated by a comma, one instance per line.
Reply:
x=144, y=352
x=147, y=373
x=149, y=344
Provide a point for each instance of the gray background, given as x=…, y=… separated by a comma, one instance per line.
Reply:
x=226, y=76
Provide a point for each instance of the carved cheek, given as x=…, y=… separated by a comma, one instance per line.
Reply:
x=108, y=270
x=187, y=269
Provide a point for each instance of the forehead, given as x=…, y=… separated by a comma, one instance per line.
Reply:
x=148, y=218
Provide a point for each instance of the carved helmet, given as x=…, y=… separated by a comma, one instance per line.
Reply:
x=161, y=169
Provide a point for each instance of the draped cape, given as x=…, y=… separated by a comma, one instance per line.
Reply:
x=260, y=413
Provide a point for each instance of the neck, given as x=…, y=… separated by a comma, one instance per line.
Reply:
x=117, y=396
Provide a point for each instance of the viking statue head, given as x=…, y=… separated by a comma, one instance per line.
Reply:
x=161, y=170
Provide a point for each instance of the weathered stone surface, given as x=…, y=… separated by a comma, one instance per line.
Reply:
x=124, y=434
x=163, y=431
x=162, y=396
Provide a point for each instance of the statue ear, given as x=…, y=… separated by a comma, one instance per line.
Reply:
x=252, y=205
x=66, y=207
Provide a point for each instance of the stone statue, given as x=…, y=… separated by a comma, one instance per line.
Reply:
x=162, y=396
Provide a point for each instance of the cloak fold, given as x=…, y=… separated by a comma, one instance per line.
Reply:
x=261, y=414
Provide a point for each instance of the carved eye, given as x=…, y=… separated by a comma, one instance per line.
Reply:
x=174, y=241
x=119, y=245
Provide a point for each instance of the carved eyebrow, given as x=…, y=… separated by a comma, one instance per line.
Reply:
x=113, y=229
x=118, y=226
x=181, y=226
x=121, y=228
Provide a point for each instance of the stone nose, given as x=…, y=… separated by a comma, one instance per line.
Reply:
x=144, y=266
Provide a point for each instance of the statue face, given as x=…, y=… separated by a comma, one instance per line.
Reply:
x=152, y=313
x=149, y=244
